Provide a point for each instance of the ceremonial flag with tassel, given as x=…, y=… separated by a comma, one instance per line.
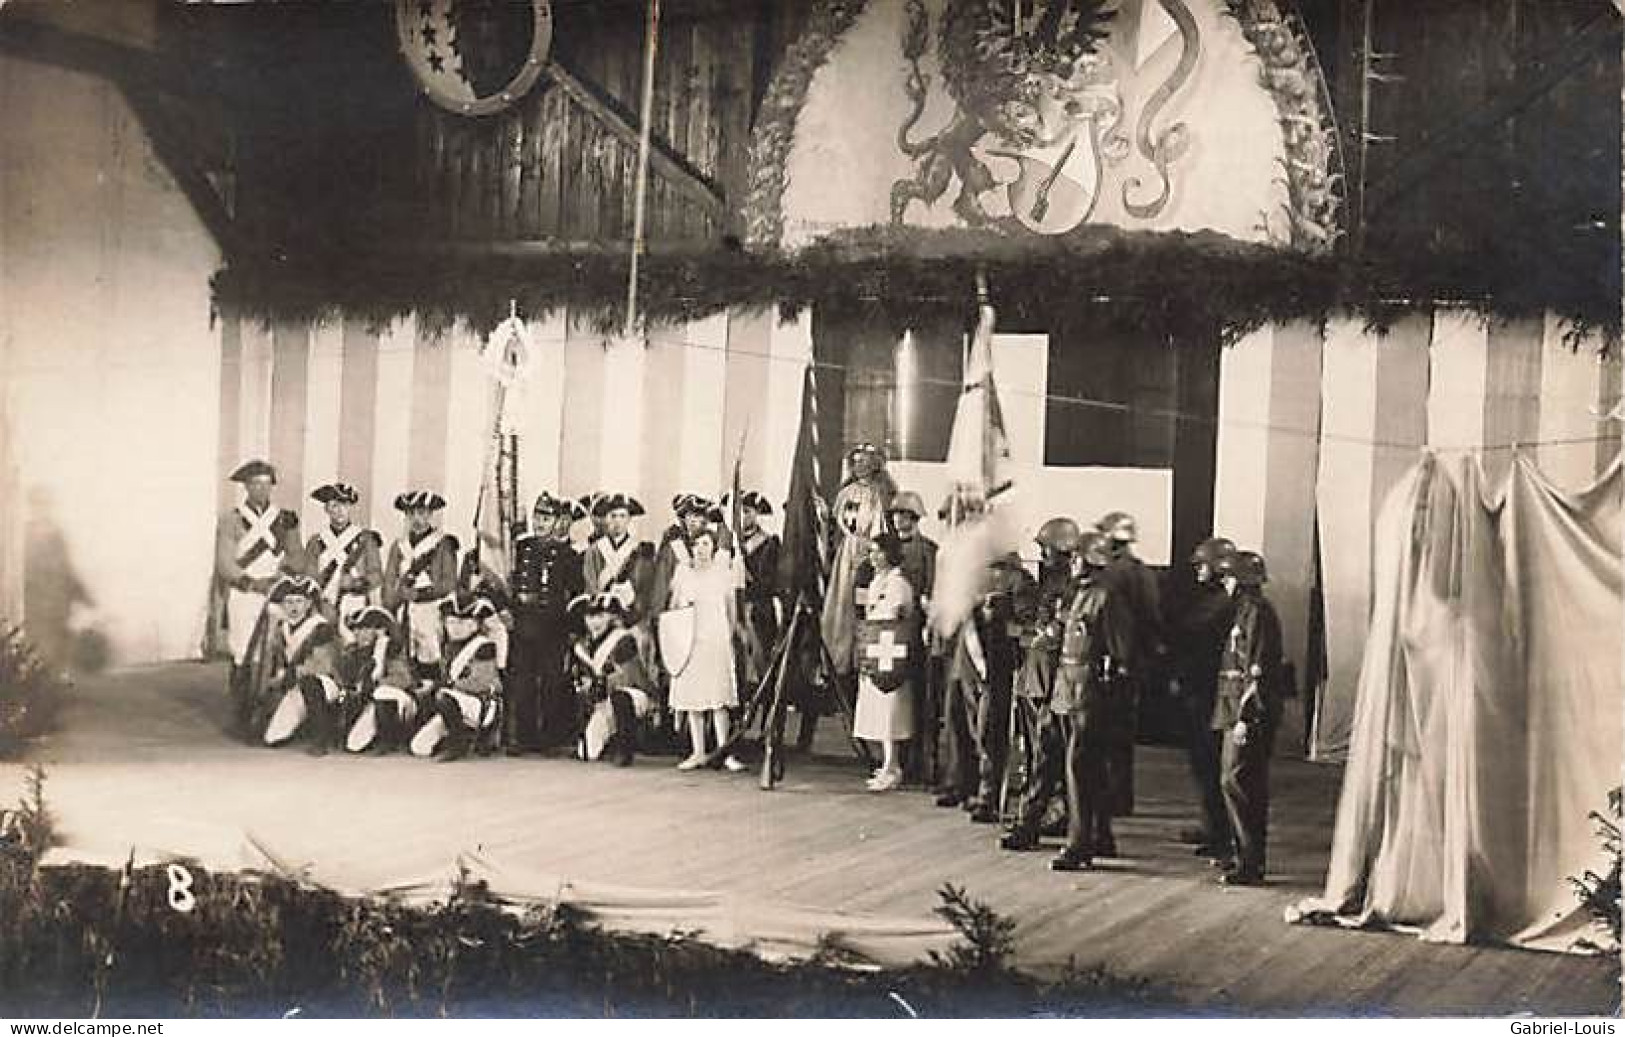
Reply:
x=980, y=467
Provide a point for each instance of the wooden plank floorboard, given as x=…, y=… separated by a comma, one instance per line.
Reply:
x=142, y=761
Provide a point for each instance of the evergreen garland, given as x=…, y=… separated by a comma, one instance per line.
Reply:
x=1181, y=285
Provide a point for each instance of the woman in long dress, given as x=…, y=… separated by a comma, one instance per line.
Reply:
x=887, y=717
x=705, y=684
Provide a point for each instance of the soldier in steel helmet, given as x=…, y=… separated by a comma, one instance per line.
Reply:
x=1199, y=628
x=1245, y=713
x=1137, y=584
x=1090, y=682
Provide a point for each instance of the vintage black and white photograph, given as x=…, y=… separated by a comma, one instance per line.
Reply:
x=872, y=509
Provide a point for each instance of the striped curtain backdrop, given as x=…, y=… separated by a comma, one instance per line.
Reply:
x=404, y=408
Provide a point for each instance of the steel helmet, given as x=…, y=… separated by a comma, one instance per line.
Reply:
x=1059, y=534
x=1246, y=566
x=1212, y=550
x=1119, y=525
x=1095, y=549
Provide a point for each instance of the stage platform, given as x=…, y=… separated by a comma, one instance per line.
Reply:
x=140, y=763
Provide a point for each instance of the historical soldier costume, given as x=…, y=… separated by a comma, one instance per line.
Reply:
x=1136, y=585
x=621, y=564
x=981, y=668
x=376, y=678
x=1090, y=681
x=692, y=516
x=345, y=558
x=467, y=705
x=759, y=598
x=1246, y=711
x=589, y=506
x=547, y=576
x=612, y=686
x=255, y=543
x=303, y=657
x=420, y=575
x=1203, y=622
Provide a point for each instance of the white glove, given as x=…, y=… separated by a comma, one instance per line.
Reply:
x=1239, y=732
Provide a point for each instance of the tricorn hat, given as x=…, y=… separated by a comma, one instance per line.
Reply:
x=585, y=604
x=254, y=469
x=372, y=617
x=616, y=501
x=752, y=500
x=335, y=493
x=413, y=499
x=296, y=586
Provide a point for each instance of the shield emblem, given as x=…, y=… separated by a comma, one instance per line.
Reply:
x=676, y=636
x=888, y=651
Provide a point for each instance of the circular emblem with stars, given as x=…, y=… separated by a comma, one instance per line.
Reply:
x=475, y=57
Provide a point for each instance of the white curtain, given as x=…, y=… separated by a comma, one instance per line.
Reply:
x=1487, y=724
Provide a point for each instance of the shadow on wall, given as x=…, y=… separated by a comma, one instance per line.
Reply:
x=59, y=615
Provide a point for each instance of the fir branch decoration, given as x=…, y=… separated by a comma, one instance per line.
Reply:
x=1180, y=285
x=1313, y=164
x=775, y=127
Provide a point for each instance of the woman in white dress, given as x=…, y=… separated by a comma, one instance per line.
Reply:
x=705, y=684
x=887, y=717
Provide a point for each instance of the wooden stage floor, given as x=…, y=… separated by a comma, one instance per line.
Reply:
x=140, y=762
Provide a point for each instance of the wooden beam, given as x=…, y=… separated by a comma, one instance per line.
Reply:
x=670, y=166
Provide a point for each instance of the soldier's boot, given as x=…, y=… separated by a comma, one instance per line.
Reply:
x=318, y=718
x=625, y=741
x=459, y=736
x=390, y=730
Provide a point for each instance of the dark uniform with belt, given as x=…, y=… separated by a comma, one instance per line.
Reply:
x=1137, y=589
x=1245, y=713
x=1203, y=622
x=547, y=576
x=1039, y=619
x=1092, y=687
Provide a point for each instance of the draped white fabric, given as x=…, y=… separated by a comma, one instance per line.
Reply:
x=1487, y=724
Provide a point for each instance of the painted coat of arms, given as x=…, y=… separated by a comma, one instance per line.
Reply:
x=1037, y=97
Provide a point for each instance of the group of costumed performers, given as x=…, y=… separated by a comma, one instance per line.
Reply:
x=424, y=650
x=592, y=647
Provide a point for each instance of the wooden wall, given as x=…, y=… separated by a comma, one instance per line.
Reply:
x=550, y=168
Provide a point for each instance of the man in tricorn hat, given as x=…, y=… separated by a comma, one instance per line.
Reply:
x=255, y=543
x=420, y=574
x=346, y=558
x=547, y=576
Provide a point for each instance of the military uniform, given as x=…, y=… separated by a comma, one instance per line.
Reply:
x=613, y=688
x=303, y=685
x=1203, y=623
x=1043, y=737
x=376, y=679
x=1136, y=587
x=981, y=670
x=420, y=576
x=347, y=562
x=467, y=704
x=759, y=598
x=252, y=550
x=1248, y=694
x=547, y=576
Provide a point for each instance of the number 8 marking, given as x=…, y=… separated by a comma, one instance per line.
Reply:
x=180, y=889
